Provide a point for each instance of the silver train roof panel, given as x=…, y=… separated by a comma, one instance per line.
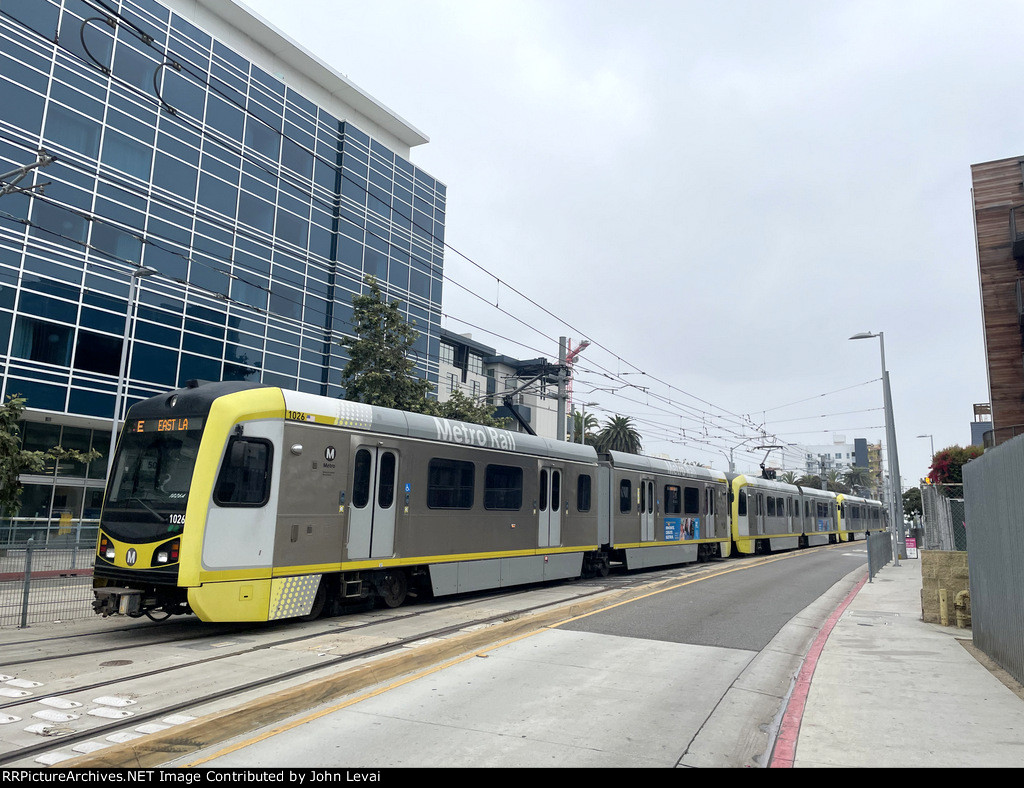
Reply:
x=385, y=421
x=640, y=462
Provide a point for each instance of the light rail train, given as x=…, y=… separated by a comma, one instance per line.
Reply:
x=243, y=502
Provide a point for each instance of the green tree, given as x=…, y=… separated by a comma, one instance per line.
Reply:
x=619, y=434
x=585, y=426
x=912, y=502
x=380, y=370
x=462, y=408
x=810, y=480
x=15, y=460
x=789, y=477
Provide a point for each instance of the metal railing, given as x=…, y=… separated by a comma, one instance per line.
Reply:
x=879, y=552
x=46, y=575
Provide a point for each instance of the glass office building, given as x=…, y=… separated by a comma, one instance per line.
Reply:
x=191, y=138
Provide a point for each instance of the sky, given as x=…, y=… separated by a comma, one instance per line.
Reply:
x=716, y=195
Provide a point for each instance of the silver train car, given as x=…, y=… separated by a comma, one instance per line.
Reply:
x=769, y=515
x=243, y=502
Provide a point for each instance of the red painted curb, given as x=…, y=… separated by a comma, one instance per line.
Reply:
x=784, y=751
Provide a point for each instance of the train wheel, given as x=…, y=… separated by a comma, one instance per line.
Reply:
x=158, y=615
x=392, y=587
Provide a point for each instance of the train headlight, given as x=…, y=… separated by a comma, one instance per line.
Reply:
x=167, y=553
x=106, y=549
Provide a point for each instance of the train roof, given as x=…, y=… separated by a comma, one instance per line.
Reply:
x=773, y=484
x=386, y=421
x=640, y=462
x=197, y=397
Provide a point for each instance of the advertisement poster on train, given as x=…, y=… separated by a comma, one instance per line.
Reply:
x=682, y=528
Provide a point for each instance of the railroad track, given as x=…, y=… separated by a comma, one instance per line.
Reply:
x=65, y=716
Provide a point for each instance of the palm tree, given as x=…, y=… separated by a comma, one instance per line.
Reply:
x=585, y=425
x=834, y=480
x=789, y=477
x=858, y=477
x=619, y=434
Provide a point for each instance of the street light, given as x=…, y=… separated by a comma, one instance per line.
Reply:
x=129, y=325
x=583, y=420
x=895, y=491
x=931, y=441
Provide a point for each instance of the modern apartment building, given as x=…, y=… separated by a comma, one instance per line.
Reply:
x=209, y=172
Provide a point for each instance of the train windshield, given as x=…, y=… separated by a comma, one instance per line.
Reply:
x=152, y=473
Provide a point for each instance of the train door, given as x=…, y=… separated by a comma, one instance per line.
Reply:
x=371, y=525
x=709, y=508
x=646, y=506
x=549, y=508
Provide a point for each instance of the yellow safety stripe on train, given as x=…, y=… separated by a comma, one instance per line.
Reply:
x=225, y=413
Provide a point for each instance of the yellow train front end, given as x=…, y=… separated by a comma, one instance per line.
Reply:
x=180, y=456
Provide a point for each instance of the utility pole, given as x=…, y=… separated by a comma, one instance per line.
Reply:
x=562, y=371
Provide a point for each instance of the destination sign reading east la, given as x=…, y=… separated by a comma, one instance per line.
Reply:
x=183, y=424
x=474, y=435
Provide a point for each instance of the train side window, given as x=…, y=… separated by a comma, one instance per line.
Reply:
x=743, y=503
x=556, y=490
x=583, y=493
x=625, y=496
x=503, y=487
x=450, y=484
x=691, y=500
x=543, y=491
x=709, y=503
x=673, y=501
x=361, y=479
x=386, y=480
x=244, y=478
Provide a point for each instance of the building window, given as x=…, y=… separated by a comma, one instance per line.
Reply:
x=38, y=340
x=447, y=354
x=476, y=364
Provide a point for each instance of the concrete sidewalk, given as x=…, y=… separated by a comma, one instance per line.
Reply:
x=889, y=690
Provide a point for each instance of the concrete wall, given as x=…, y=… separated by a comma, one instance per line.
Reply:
x=944, y=575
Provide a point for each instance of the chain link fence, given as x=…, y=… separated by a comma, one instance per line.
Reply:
x=944, y=524
x=45, y=571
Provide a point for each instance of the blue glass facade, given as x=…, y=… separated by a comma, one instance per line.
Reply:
x=260, y=209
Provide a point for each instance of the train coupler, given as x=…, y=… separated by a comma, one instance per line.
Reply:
x=117, y=601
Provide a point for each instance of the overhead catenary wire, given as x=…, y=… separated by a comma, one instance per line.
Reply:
x=709, y=416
